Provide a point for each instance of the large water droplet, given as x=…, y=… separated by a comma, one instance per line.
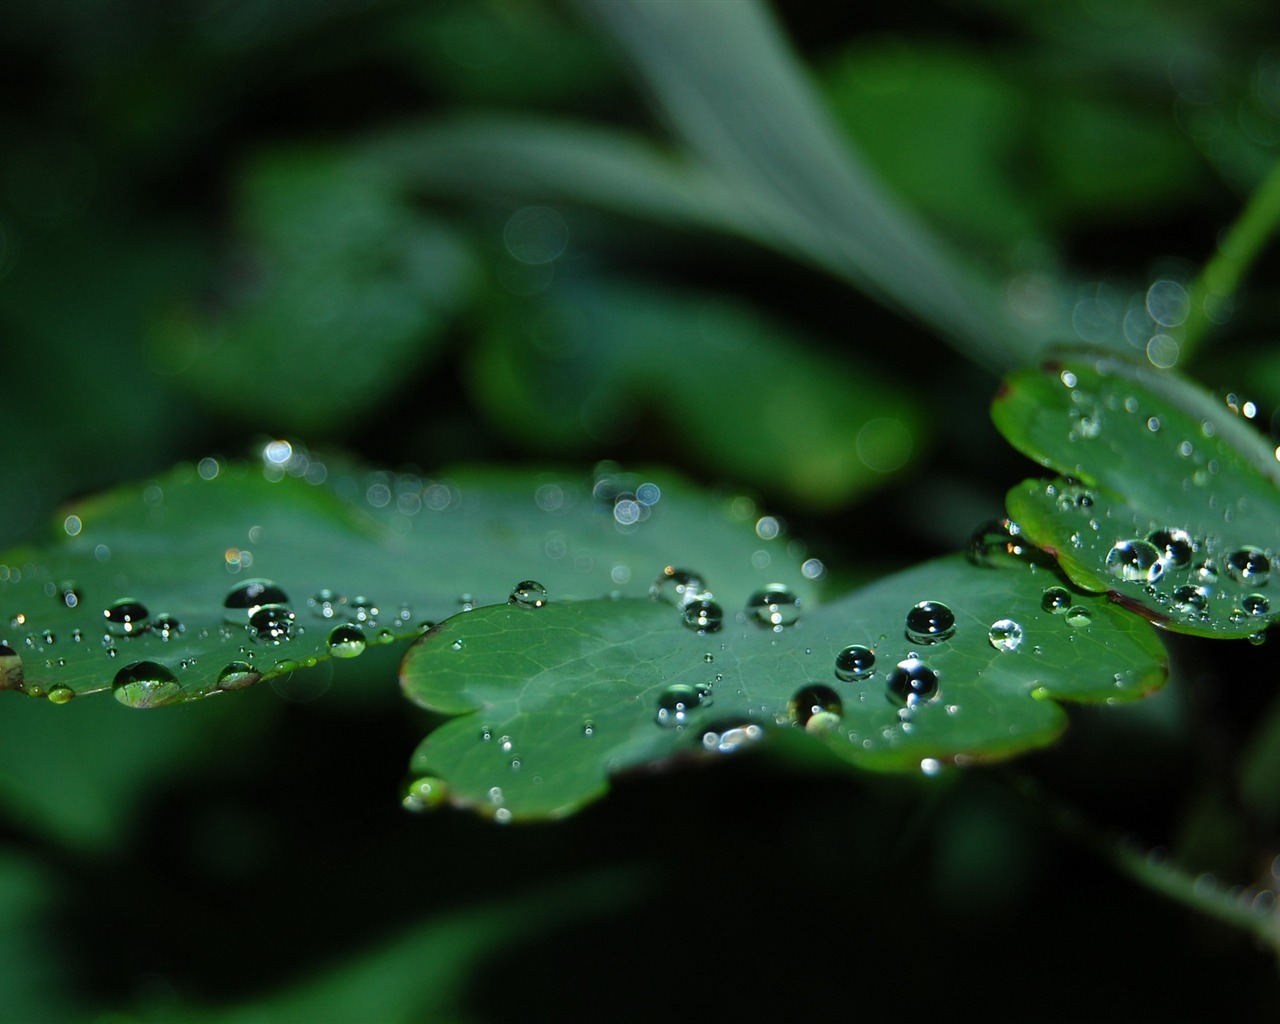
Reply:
x=1256, y=605
x=912, y=682
x=816, y=708
x=930, y=622
x=144, y=684
x=680, y=587
x=61, y=694
x=236, y=675
x=855, y=662
x=1055, y=600
x=1078, y=616
x=253, y=594
x=1175, y=546
x=126, y=617
x=1005, y=635
x=346, y=641
x=1249, y=564
x=528, y=594
x=678, y=700
x=1135, y=560
x=1191, y=600
x=775, y=607
x=705, y=616
x=271, y=624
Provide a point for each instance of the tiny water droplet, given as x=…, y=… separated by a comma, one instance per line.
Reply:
x=167, y=627
x=816, y=708
x=678, y=700
x=528, y=594
x=1135, y=561
x=1078, y=616
x=271, y=624
x=775, y=607
x=69, y=594
x=1175, y=547
x=457, y=644
x=930, y=622
x=855, y=662
x=588, y=728
x=236, y=675
x=680, y=587
x=144, y=684
x=346, y=641
x=60, y=694
x=126, y=617
x=705, y=616
x=1055, y=600
x=730, y=737
x=912, y=682
x=49, y=637
x=253, y=594
x=364, y=611
x=1249, y=564
x=1005, y=635
x=422, y=794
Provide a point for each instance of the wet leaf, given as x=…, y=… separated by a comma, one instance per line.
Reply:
x=552, y=701
x=1172, y=501
x=218, y=575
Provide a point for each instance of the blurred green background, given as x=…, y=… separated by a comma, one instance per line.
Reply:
x=433, y=233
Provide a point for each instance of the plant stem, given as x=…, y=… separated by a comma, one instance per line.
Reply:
x=1227, y=267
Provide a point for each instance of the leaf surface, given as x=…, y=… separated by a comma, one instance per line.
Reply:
x=552, y=701
x=1177, y=507
x=372, y=554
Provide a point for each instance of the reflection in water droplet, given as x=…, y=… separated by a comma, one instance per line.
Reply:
x=1256, y=605
x=704, y=616
x=677, y=701
x=1055, y=600
x=1249, y=564
x=1191, y=600
x=930, y=622
x=775, y=607
x=911, y=683
x=730, y=737
x=253, y=594
x=271, y=624
x=1135, y=560
x=1078, y=616
x=679, y=587
x=237, y=675
x=816, y=708
x=61, y=694
x=144, y=684
x=424, y=793
x=1005, y=635
x=126, y=617
x=528, y=594
x=1175, y=547
x=855, y=662
x=346, y=641
x=69, y=594
x=167, y=627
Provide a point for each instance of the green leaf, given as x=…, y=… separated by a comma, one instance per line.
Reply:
x=594, y=356
x=1172, y=503
x=371, y=554
x=552, y=701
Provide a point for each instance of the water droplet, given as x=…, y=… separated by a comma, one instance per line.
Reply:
x=61, y=694
x=237, y=675
x=1249, y=563
x=679, y=587
x=705, y=616
x=1191, y=600
x=730, y=737
x=528, y=594
x=457, y=644
x=422, y=794
x=816, y=708
x=363, y=610
x=930, y=622
x=49, y=637
x=1078, y=616
x=167, y=627
x=1055, y=600
x=1005, y=635
x=10, y=667
x=1074, y=498
x=144, y=684
x=588, y=728
x=126, y=617
x=346, y=641
x=855, y=662
x=1175, y=547
x=324, y=602
x=69, y=594
x=775, y=607
x=912, y=682
x=1256, y=605
x=999, y=543
x=271, y=624
x=253, y=594
x=1136, y=561
x=678, y=700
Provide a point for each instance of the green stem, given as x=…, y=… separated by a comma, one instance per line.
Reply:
x=1254, y=911
x=1227, y=267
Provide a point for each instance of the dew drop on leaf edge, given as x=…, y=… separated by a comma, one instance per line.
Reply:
x=144, y=684
x=528, y=594
x=347, y=641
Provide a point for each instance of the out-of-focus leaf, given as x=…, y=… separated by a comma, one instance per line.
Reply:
x=341, y=288
x=134, y=592
x=949, y=661
x=725, y=385
x=1172, y=502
